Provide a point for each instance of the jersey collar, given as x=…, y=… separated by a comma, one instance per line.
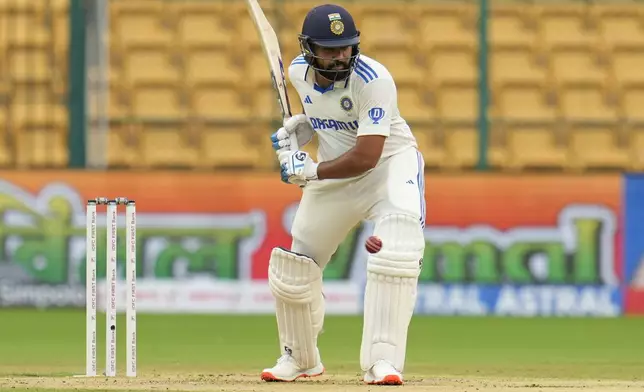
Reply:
x=321, y=90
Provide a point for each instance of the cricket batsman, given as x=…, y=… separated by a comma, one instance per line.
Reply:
x=368, y=167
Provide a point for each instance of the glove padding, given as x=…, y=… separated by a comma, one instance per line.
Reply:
x=298, y=124
x=297, y=167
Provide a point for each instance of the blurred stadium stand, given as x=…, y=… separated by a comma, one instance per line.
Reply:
x=33, y=83
x=189, y=86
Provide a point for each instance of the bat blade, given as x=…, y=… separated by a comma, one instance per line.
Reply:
x=273, y=55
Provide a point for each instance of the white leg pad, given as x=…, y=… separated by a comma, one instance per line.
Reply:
x=390, y=295
x=296, y=283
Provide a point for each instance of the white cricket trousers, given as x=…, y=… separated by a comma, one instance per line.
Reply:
x=328, y=211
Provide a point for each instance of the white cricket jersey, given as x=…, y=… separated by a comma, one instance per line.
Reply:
x=364, y=104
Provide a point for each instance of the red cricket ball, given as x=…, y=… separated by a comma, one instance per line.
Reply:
x=373, y=244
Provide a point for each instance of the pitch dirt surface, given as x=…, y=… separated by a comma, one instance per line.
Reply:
x=40, y=351
x=248, y=382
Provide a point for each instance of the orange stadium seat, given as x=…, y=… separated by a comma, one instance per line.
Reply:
x=157, y=101
x=448, y=25
x=120, y=102
x=511, y=26
x=23, y=7
x=219, y=103
x=141, y=23
x=289, y=43
x=289, y=53
x=577, y=65
x=6, y=155
x=153, y=65
x=296, y=10
x=233, y=147
x=41, y=147
x=535, y=146
x=633, y=103
x=123, y=146
x=29, y=65
x=628, y=66
x=168, y=145
x=406, y=67
x=415, y=105
x=586, y=102
x=458, y=102
x=596, y=148
x=213, y=66
x=620, y=25
x=248, y=36
x=289, y=25
x=515, y=65
x=462, y=148
x=207, y=24
x=264, y=103
x=456, y=64
x=59, y=6
x=255, y=69
x=384, y=26
x=565, y=26
x=30, y=93
x=60, y=26
x=433, y=152
x=294, y=99
x=636, y=150
x=25, y=30
x=39, y=115
x=527, y=103
x=116, y=72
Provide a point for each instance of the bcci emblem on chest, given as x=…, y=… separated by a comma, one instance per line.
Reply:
x=346, y=104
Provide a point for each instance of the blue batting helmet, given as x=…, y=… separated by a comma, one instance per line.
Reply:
x=329, y=26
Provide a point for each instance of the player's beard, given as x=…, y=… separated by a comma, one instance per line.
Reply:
x=336, y=71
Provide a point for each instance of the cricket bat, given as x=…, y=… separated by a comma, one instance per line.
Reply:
x=273, y=55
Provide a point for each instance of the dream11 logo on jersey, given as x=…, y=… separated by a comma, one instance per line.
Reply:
x=376, y=114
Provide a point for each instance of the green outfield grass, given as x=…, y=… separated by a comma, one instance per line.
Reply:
x=51, y=343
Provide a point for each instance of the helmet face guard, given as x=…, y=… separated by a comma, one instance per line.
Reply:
x=334, y=75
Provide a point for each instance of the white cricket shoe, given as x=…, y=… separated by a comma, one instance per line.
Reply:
x=383, y=373
x=288, y=370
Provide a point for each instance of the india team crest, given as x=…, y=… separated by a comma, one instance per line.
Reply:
x=337, y=27
x=346, y=103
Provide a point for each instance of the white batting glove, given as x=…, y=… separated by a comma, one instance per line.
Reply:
x=300, y=126
x=280, y=141
x=298, y=167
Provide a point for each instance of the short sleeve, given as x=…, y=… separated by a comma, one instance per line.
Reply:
x=375, y=107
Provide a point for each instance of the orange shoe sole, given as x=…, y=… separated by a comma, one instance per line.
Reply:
x=269, y=377
x=388, y=380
